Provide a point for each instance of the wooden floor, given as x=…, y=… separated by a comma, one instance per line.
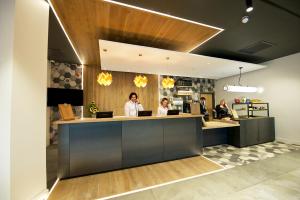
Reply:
x=120, y=181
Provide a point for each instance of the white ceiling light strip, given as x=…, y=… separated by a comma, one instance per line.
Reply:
x=240, y=88
x=236, y=88
x=49, y=1
x=205, y=41
x=170, y=16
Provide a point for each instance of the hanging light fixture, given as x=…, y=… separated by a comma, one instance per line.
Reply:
x=245, y=19
x=168, y=82
x=140, y=81
x=104, y=78
x=249, y=6
x=240, y=88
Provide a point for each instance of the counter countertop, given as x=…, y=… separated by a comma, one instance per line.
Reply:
x=250, y=118
x=219, y=124
x=124, y=118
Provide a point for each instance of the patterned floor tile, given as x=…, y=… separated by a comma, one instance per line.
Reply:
x=230, y=156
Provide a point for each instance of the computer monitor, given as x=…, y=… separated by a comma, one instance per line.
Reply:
x=108, y=114
x=173, y=112
x=145, y=113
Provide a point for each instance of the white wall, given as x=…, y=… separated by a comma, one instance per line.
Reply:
x=25, y=80
x=48, y=108
x=281, y=82
x=6, y=66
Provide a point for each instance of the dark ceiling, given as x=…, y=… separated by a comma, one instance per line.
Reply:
x=272, y=32
x=59, y=48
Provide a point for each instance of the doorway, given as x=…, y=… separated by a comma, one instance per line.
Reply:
x=210, y=103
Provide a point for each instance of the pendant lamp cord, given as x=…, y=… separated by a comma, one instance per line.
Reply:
x=240, y=77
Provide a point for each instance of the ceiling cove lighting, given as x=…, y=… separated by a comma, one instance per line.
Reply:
x=170, y=16
x=249, y=6
x=61, y=25
x=240, y=88
x=140, y=81
x=104, y=78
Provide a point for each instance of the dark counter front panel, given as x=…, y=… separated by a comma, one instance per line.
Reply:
x=216, y=136
x=63, y=151
x=249, y=130
x=266, y=130
x=252, y=131
x=89, y=148
x=95, y=147
x=142, y=142
x=180, y=139
x=86, y=148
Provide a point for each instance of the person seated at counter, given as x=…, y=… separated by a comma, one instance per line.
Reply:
x=203, y=108
x=222, y=110
x=163, y=108
x=133, y=105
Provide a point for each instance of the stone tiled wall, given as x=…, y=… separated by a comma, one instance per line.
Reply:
x=199, y=85
x=63, y=75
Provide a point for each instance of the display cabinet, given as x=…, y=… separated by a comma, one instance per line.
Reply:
x=252, y=109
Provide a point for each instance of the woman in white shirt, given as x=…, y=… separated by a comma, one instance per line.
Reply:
x=133, y=106
x=163, y=108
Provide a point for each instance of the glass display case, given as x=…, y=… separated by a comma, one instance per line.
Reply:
x=251, y=109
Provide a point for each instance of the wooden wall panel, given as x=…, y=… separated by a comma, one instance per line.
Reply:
x=113, y=97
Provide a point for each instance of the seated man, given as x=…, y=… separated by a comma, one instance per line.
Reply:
x=203, y=109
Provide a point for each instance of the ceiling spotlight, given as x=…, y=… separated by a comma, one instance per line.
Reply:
x=167, y=58
x=140, y=54
x=245, y=19
x=249, y=6
x=105, y=50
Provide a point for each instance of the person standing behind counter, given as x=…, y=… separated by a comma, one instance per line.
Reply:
x=163, y=108
x=133, y=106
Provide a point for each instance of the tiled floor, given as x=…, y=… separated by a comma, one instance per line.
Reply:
x=266, y=171
x=230, y=156
x=276, y=178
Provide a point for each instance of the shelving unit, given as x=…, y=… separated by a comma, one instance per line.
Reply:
x=252, y=108
x=184, y=85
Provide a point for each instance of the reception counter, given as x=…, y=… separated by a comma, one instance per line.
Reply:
x=87, y=146
x=240, y=133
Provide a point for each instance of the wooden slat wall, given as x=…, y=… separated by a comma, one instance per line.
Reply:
x=87, y=21
x=113, y=97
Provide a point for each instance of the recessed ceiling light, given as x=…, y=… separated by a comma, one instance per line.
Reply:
x=245, y=19
x=105, y=50
x=249, y=9
x=140, y=54
x=208, y=63
x=167, y=58
x=249, y=6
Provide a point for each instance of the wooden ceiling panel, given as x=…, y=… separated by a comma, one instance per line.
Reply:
x=90, y=20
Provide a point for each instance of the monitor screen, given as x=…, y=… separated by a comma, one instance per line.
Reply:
x=57, y=96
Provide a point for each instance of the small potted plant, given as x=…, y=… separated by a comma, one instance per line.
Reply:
x=93, y=109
